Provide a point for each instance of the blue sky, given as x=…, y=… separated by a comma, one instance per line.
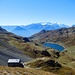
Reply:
x=23, y=12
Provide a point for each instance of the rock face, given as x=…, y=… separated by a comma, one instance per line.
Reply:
x=45, y=64
x=45, y=53
x=26, y=39
x=52, y=63
x=56, y=53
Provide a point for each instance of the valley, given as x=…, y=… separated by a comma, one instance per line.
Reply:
x=63, y=36
x=31, y=51
x=29, y=30
x=8, y=51
x=37, y=37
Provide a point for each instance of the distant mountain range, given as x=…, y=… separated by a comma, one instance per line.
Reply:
x=29, y=30
x=73, y=25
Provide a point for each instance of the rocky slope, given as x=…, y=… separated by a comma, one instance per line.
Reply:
x=13, y=42
x=59, y=63
x=9, y=51
x=50, y=65
x=64, y=35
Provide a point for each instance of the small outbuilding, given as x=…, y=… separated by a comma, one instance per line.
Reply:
x=15, y=63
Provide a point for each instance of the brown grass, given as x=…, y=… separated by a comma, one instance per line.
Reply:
x=22, y=71
x=64, y=70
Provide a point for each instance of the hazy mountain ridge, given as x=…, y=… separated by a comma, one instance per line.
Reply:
x=21, y=31
x=31, y=29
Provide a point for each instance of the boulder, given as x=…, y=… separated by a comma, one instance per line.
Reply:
x=45, y=53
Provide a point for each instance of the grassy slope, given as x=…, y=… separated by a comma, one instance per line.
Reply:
x=65, y=37
x=19, y=43
x=9, y=38
x=64, y=70
x=30, y=48
x=22, y=71
x=27, y=47
x=68, y=58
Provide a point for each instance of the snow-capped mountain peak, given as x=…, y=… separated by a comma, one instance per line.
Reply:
x=33, y=28
x=45, y=23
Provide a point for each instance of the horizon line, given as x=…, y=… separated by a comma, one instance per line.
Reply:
x=42, y=23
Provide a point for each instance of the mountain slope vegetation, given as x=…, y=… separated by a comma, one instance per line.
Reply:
x=64, y=35
x=12, y=46
x=9, y=41
x=51, y=61
x=22, y=71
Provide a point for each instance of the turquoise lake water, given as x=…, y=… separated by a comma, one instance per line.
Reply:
x=54, y=46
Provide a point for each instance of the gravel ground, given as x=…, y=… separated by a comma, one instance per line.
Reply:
x=10, y=52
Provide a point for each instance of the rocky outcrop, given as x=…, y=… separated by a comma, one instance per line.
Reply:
x=26, y=39
x=45, y=53
x=52, y=63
